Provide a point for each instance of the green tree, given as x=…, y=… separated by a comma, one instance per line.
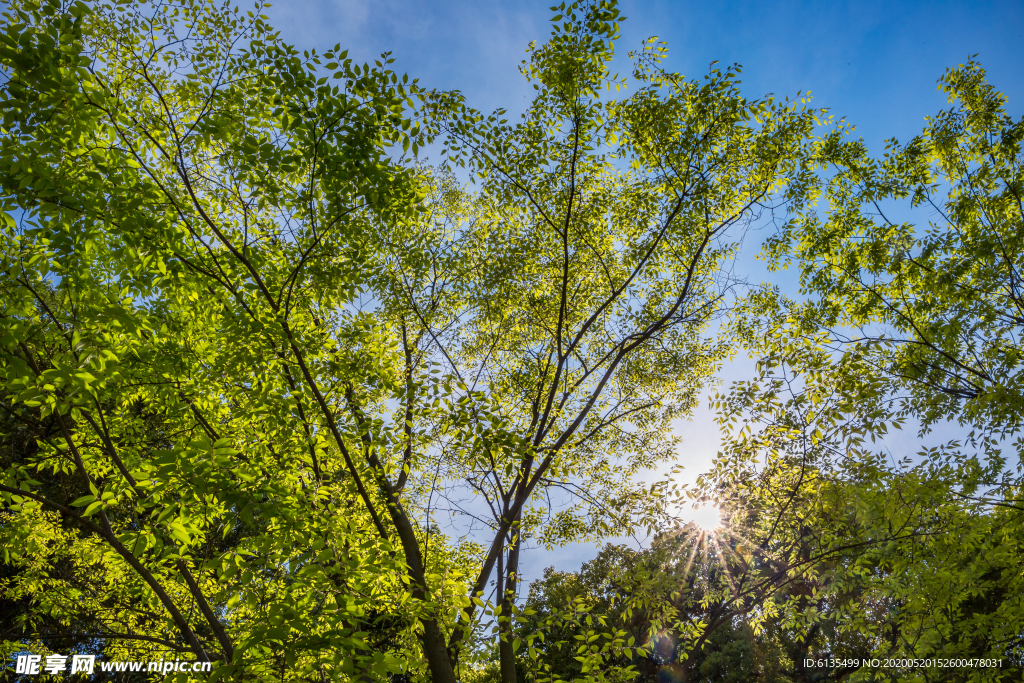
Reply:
x=911, y=324
x=832, y=548
x=933, y=307
x=827, y=552
x=897, y=560
x=602, y=230
x=180, y=179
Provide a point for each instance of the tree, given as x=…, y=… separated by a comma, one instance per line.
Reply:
x=833, y=548
x=249, y=350
x=601, y=233
x=911, y=325
x=607, y=589
x=180, y=179
x=935, y=310
x=827, y=552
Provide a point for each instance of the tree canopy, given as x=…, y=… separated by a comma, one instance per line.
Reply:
x=283, y=396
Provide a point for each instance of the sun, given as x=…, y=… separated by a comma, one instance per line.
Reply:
x=706, y=517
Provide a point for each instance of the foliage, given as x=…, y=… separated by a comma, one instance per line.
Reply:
x=897, y=560
x=278, y=397
x=188, y=196
x=934, y=309
x=601, y=229
x=827, y=552
x=908, y=326
x=834, y=548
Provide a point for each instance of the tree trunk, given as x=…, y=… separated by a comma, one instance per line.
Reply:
x=506, y=653
x=435, y=647
x=436, y=650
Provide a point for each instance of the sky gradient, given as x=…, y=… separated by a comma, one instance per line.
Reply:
x=874, y=62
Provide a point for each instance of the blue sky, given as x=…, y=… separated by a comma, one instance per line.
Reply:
x=875, y=63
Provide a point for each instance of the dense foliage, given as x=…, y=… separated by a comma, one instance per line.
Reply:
x=837, y=546
x=280, y=396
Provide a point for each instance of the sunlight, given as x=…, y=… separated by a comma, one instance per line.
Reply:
x=706, y=518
